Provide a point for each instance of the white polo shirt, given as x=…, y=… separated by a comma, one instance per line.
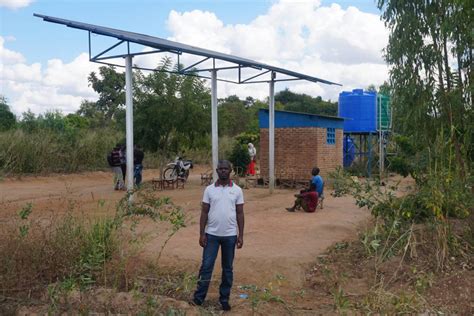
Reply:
x=222, y=219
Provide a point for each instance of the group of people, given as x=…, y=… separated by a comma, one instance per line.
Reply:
x=117, y=160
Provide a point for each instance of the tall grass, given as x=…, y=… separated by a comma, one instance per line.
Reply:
x=46, y=151
x=76, y=252
x=54, y=250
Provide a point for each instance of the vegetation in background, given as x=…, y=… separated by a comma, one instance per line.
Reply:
x=304, y=103
x=171, y=117
x=110, y=86
x=47, y=150
x=427, y=233
x=237, y=116
x=239, y=157
x=171, y=112
x=430, y=54
x=7, y=118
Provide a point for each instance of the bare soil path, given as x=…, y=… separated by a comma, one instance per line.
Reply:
x=276, y=241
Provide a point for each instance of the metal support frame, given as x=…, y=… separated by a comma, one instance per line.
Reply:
x=275, y=80
x=215, y=139
x=381, y=140
x=258, y=75
x=163, y=45
x=367, y=147
x=129, y=122
x=210, y=69
x=195, y=64
x=106, y=51
x=369, y=150
x=271, y=134
x=188, y=71
x=98, y=57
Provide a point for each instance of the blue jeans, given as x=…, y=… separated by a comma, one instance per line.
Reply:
x=209, y=255
x=137, y=174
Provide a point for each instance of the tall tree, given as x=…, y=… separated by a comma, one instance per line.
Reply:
x=430, y=52
x=7, y=118
x=110, y=85
x=171, y=111
x=298, y=102
x=235, y=116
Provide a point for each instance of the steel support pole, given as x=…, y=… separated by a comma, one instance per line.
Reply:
x=129, y=122
x=215, y=138
x=381, y=151
x=271, y=134
x=369, y=151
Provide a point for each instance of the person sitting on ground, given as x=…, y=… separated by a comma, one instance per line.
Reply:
x=318, y=182
x=306, y=199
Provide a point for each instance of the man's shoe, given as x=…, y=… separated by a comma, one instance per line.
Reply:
x=195, y=302
x=226, y=306
x=290, y=209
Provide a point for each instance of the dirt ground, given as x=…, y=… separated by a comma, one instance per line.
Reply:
x=276, y=242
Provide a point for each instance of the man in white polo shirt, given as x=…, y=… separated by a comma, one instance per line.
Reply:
x=221, y=224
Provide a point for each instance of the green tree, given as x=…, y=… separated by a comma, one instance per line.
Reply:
x=371, y=88
x=235, y=115
x=383, y=88
x=89, y=111
x=52, y=120
x=239, y=157
x=430, y=53
x=297, y=102
x=76, y=121
x=110, y=85
x=7, y=118
x=172, y=112
x=28, y=121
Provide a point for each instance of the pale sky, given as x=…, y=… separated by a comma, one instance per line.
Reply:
x=44, y=66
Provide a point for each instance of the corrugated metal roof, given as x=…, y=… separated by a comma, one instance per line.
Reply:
x=163, y=44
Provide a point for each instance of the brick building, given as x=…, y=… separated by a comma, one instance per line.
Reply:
x=302, y=141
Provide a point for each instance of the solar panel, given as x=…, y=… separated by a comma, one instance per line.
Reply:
x=167, y=45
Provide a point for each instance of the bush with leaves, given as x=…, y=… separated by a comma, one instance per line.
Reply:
x=240, y=158
x=245, y=138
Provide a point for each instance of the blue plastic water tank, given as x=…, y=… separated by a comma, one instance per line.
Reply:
x=359, y=109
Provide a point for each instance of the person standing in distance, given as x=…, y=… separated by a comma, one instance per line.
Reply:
x=114, y=161
x=221, y=225
x=138, y=156
x=253, y=156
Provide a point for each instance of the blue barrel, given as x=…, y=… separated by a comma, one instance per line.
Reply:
x=359, y=110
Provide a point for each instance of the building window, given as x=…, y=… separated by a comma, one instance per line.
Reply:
x=331, y=136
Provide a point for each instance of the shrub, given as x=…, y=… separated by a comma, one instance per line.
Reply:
x=240, y=158
x=245, y=138
x=68, y=249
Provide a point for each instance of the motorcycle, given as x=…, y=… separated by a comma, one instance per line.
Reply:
x=177, y=169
